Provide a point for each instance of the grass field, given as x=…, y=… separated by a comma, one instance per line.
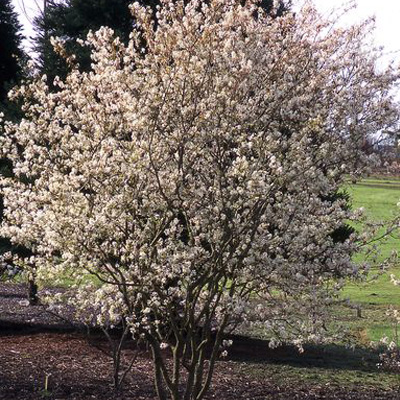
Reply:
x=379, y=197
x=336, y=364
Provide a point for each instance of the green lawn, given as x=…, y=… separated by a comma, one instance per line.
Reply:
x=379, y=197
x=380, y=203
x=337, y=364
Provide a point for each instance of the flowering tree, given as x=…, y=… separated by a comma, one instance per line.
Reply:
x=192, y=178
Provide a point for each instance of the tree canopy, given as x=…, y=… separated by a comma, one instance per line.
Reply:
x=73, y=19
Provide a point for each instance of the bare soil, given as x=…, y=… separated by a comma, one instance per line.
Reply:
x=36, y=347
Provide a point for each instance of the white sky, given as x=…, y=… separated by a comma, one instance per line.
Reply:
x=386, y=12
x=27, y=9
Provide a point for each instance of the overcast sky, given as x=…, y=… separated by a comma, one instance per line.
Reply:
x=386, y=12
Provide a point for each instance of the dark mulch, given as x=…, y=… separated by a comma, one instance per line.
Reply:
x=33, y=345
x=16, y=313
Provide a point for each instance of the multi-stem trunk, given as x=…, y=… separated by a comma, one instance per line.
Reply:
x=188, y=352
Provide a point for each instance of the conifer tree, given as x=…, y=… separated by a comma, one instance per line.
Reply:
x=11, y=53
x=12, y=62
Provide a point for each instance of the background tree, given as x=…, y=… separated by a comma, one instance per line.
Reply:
x=12, y=71
x=11, y=54
x=73, y=19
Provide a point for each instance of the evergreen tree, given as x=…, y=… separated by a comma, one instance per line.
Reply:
x=12, y=61
x=73, y=19
x=11, y=53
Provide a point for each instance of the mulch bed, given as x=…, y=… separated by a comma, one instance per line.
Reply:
x=16, y=313
x=35, y=344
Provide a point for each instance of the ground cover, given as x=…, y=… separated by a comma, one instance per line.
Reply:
x=42, y=358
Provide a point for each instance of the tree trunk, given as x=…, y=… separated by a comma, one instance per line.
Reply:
x=32, y=292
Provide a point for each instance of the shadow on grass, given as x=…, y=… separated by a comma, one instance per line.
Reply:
x=332, y=356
